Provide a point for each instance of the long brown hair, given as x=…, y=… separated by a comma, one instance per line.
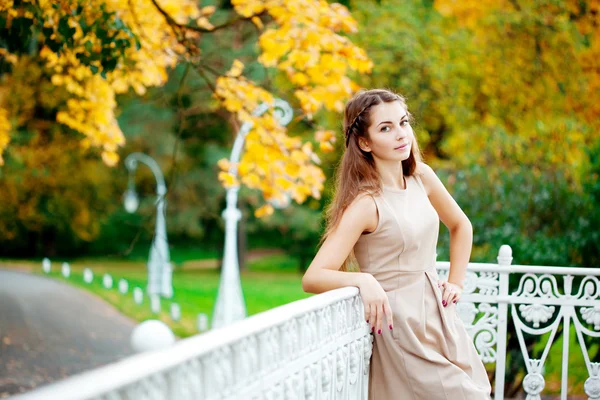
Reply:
x=357, y=172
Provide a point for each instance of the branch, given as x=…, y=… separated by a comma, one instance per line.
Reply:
x=515, y=4
x=200, y=70
x=172, y=22
x=236, y=20
x=210, y=69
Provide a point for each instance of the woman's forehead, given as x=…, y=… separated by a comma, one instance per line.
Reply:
x=392, y=111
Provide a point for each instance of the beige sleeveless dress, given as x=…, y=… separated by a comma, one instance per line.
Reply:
x=428, y=355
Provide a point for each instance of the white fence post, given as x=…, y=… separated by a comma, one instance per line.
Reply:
x=504, y=261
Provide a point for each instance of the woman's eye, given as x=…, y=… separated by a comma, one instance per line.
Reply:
x=404, y=123
x=385, y=129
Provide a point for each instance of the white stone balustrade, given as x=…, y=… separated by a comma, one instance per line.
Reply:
x=317, y=348
x=538, y=300
x=320, y=347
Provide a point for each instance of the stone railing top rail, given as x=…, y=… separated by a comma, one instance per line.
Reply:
x=531, y=269
x=111, y=377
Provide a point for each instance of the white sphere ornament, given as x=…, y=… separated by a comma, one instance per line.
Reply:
x=202, y=322
x=88, y=275
x=175, y=312
x=123, y=286
x=155, y=304
x=66, y=270
x=138, y=295
x=107, y=281
x=151, y=335
x=46, y=265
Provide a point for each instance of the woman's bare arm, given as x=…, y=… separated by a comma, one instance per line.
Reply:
x=450, y=213
x=323, y=273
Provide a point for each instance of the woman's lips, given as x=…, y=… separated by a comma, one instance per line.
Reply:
x=402, y=147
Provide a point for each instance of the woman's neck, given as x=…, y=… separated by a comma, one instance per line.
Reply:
x=391, y=174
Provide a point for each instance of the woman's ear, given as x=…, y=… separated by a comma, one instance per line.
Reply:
x=364, y=145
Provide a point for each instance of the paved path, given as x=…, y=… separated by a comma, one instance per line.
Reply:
x=49, y=331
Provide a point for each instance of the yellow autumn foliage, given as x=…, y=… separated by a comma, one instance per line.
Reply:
x=539, y=81
x=95, y=50
x=4, y=132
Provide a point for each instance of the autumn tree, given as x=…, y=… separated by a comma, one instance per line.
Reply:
x=63, y=64
x=497, y=83
x=536, y=78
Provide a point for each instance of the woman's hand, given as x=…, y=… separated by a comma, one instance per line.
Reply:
x=377, y=305
x=451, y=292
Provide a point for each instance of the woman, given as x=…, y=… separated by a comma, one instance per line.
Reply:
x=386, y=210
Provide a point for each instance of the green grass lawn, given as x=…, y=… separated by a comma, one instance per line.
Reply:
x=269, y=282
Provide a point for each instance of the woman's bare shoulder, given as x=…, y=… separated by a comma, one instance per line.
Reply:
x=424, y=170
x=364, y=209
x=427, y=175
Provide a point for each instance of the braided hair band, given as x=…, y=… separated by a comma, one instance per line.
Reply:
x=351, y=126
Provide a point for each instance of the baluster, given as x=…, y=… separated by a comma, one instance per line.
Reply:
x=504, y=261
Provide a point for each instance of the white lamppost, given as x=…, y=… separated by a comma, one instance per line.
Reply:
x=160, y=271
x=230, y=306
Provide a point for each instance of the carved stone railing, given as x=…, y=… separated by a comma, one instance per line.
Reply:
x=320, y=348
x=317, y=348
x=538, y=300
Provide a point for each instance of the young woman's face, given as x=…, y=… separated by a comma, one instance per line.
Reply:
x=390, y=134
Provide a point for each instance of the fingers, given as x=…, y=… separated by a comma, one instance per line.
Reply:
x=373, y=322
x=446, y=295
x=379, y=318
x=372, y=316
x=444, y=288
x=451, y=294
x=457, y=296
x=451, y=297
x=378, y=315
x=389, y=316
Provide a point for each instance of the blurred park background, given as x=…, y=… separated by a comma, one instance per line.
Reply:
x=504, y=94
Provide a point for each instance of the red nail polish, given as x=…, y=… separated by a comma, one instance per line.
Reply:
x=372, y=329
x=367, y=321
x=390, y=326
x=379, y=331
x=444, y=303
x=454, y=301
